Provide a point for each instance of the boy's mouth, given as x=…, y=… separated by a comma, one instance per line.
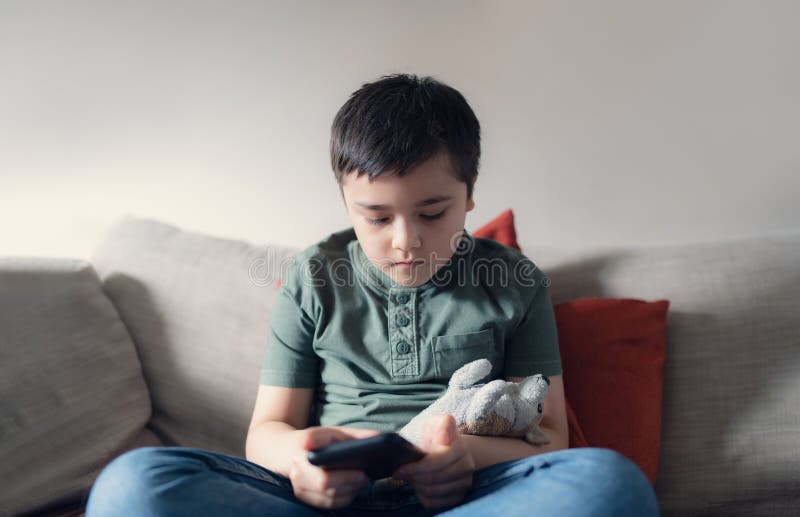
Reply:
x=409, y=263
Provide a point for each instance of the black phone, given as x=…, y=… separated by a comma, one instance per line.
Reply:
x=377, y=456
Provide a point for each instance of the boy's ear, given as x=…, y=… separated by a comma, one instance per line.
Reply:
x=470, y=204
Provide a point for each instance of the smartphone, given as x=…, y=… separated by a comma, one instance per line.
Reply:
x=377, y=456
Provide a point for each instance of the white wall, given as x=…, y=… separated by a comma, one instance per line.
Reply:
x=604, y=122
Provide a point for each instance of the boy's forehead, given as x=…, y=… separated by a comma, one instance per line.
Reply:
x=436, y=172
x=440, y=164
x=421, y=203
x=418, y=188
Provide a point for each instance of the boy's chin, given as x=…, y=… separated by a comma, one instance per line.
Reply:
x=409, y=279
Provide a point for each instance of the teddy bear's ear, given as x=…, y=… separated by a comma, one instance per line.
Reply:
x=532, y=387
x=470, y=373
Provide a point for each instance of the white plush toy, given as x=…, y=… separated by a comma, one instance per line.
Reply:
x=496, y=408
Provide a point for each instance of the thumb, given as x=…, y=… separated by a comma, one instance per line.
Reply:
x=319, y=437
x=439, y=430
x=353, y=432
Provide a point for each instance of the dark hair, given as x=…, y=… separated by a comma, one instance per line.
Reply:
x=400, y=121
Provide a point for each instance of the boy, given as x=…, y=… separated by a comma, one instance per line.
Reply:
x=368, y=327
x=405, y=153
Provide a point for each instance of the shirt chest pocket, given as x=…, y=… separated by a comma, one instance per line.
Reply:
x=453, y=351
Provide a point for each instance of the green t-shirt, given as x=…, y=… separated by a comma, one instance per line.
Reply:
x=377, y=353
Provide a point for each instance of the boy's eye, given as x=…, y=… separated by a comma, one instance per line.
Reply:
x=427, y=217
x=432, y=216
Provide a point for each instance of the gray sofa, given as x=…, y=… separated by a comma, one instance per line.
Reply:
x=159, y=340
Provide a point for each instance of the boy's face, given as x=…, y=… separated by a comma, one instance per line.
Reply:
x=421, y=220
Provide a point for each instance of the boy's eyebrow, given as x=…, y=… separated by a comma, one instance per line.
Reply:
x=426, y=202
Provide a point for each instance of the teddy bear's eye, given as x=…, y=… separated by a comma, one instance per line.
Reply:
x=546, y=379
x=539, y=407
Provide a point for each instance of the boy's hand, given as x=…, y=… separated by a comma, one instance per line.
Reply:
x=326, y=488
x=443, y=477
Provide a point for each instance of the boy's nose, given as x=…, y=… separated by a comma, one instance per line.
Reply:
x=405, y=236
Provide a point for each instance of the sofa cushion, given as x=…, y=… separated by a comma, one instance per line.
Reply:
x=612, y=351
x=731, y=394
x=71, y=385
x=198, y=308
x=502, y=230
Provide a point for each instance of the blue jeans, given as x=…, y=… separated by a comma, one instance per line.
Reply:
x=176, y=481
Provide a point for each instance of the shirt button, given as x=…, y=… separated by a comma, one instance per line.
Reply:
x=402, y=321
x=402, y=298
x=403, y=347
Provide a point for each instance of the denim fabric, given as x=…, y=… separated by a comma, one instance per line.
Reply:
x=177, y=481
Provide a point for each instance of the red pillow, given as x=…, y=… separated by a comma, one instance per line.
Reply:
x=502, y=230
x=612, y=355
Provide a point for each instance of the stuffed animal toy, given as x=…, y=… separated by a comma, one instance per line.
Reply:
x=496, y=408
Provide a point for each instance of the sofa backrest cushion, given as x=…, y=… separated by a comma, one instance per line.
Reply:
x=198, y=309
x=73, y=396
x=731, y=397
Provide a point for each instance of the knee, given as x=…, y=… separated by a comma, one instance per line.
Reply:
x=129, y=483
x=612, y=465
x=144, y=468
x=621, y=479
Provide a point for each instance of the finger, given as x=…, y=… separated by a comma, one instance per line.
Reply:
x=462, y=466
x=320, y=500
x=349, y=490
x=454, y=486
x=458, y=470
x=430, y=467
x=320, y=437
x=341, y=491
x=346, y=477
x=341, y=502
x=321, y=487
x=438, y=429
x=338, y=479
x=312, y=498
x=308, y=475
x=357, y=433
x=435, y=461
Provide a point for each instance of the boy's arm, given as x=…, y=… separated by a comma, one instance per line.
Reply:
x=273, y=445
x=273, y=437
x=488, y=450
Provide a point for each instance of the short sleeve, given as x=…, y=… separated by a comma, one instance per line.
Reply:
x=290, y=360
x=533, y=348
